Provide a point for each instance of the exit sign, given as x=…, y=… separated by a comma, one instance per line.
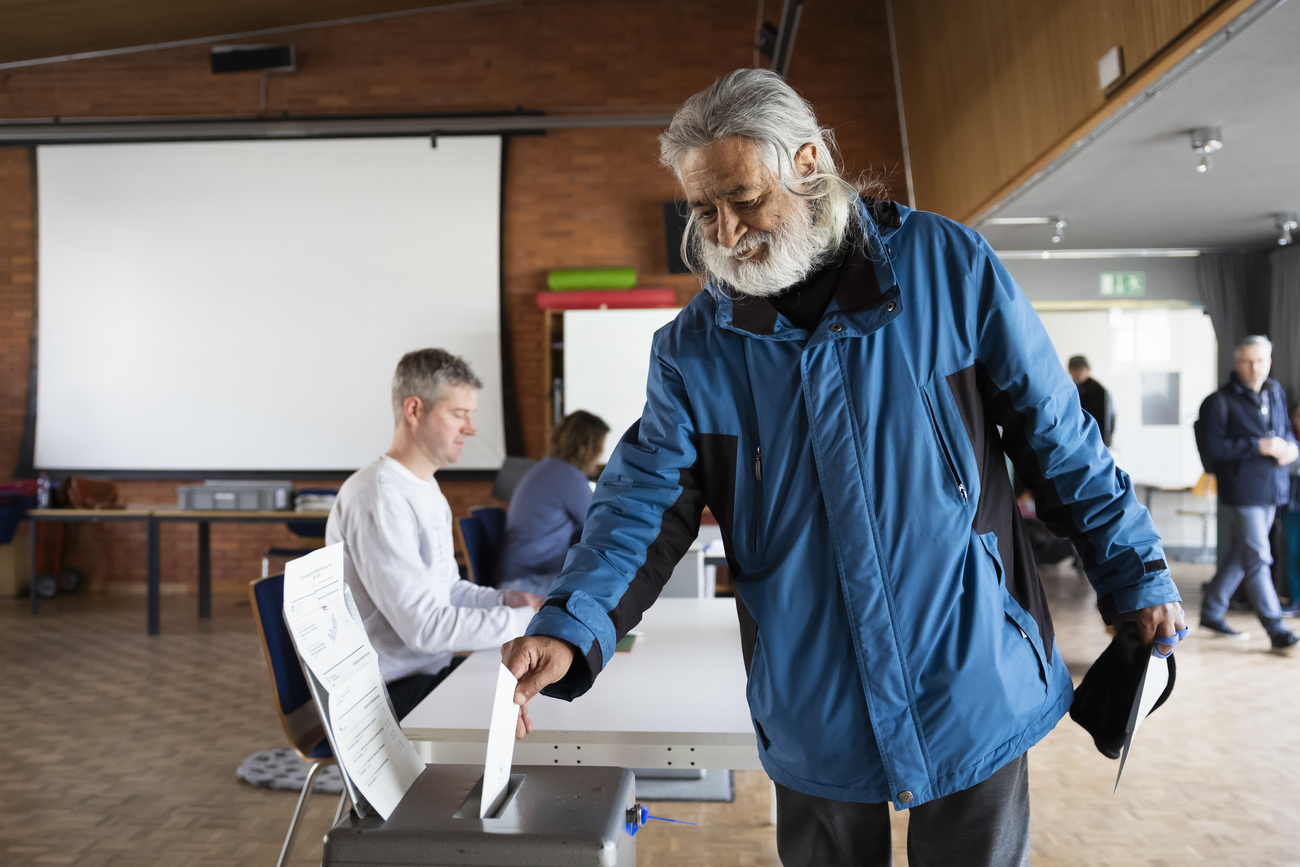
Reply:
x=1123, y=284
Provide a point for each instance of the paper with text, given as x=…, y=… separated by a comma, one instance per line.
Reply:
x=372, y=749
x=1150, y=688
x=500, y=744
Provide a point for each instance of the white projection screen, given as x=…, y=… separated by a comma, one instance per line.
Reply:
x=241, y=306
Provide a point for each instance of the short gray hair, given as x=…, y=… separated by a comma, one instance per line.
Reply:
x=427, y=374
x=1255, y=340
x=758, y=105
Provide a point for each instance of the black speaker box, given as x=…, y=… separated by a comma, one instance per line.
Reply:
x=252, y=58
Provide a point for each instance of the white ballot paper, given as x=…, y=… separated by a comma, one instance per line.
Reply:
x=1150, y=688
x=500, y=744
x=374, y=753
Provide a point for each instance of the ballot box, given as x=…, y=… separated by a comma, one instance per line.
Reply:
x=552, y=816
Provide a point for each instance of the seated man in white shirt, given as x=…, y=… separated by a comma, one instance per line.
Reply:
x=396, y=528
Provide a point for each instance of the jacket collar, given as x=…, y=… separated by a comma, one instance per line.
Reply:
x=865, y=275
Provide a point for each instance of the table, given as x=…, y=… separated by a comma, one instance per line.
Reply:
x=154, y=517
x=677, y=700
x=72, y=516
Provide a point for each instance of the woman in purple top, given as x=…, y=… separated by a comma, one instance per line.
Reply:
x=549, y=505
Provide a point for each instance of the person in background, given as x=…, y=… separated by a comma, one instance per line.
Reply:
x=395, y=525
x=1291, y=527
x=1249, y=440
x=841, y=397
x=549, y=505
x=1093, y=396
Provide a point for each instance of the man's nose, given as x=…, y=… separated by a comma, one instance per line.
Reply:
x=468, y=428
x=730, y=229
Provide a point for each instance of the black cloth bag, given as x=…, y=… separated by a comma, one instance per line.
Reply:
x=1104, y=699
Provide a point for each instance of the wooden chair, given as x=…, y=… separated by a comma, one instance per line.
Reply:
x=293, y=700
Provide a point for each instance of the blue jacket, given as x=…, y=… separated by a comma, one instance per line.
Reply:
x=1234, y=419
x=896, y=635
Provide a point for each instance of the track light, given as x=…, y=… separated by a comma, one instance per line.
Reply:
x=1205, y=141
x=1286, y=224
x=1058, y=224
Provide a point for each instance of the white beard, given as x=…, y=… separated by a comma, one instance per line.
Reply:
x=794, y=249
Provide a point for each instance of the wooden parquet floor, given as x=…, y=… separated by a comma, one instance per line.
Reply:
x=120, y=749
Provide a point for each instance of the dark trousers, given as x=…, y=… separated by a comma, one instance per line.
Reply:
x=405, y=693
x=986, y=825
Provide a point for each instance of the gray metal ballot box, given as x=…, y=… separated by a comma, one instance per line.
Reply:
x=553, y=816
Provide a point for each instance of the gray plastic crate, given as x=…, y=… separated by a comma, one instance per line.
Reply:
x=252, y=496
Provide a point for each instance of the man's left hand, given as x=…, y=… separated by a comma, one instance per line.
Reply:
x=1167, y=621
x=520, y=599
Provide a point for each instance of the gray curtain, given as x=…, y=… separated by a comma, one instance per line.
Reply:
x=1235, y=290
x=1284, y=316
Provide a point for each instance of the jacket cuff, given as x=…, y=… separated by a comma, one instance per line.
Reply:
x=1156, y=588
x=556, y=621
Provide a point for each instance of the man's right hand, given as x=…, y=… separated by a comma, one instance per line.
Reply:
x=536, y=661
x=1278, y=449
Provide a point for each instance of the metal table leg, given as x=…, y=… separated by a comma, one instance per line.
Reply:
x=152, y=576
x=32, y=526
x=205, y=572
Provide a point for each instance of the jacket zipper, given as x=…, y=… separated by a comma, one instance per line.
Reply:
x=943, y=447
x=758, y=489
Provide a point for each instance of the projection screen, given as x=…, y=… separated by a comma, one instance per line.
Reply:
x=240, y=306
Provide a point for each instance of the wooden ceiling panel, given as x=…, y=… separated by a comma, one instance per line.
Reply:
x=38, y=29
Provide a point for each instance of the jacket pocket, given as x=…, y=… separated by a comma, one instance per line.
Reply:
x=1016, y=616
x=949, y=455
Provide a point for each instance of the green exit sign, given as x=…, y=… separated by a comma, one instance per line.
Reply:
x=1123, y=284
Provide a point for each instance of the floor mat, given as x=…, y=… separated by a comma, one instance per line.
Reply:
x=282, y=769
x=715, y=785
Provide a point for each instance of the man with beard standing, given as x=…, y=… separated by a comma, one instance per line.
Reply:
x=841, y=398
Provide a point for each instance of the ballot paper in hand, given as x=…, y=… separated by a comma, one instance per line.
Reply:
x=374, y=753
x=501, y=743
x=1154, y=680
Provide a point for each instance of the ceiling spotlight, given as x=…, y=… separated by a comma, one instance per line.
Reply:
x=1205, y=141
x=1058, y=230
x=1286, y=224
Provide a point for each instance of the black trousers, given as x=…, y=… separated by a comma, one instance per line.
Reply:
x=405, y=693
x=986, y=825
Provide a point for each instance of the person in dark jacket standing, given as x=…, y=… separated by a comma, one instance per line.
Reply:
x=842, y=398
x=1248, y=439
x=1093, y=396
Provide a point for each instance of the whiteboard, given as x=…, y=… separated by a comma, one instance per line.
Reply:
x=606, y=363
x=241, y=306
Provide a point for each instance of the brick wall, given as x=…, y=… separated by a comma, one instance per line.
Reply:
x=573, y=198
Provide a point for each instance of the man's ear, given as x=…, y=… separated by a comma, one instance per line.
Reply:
x=805, y=160
x=412, y=408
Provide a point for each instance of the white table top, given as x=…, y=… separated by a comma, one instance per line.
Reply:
x=676, y=700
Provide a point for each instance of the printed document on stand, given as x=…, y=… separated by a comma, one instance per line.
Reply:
x=370, y=745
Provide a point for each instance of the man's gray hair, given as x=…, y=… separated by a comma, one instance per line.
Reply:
x=427, y=374
x=758, y=104
x=1255, y=340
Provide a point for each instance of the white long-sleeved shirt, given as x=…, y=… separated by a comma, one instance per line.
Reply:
x=399, y=561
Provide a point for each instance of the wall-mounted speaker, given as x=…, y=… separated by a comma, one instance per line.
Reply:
x=252, y=58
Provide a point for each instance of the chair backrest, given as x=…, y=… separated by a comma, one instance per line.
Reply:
x=293, y=701
x=512, y=469
x=493, y=519
x=479, y=550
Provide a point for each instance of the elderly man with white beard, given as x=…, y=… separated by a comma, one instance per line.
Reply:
x=842, y=398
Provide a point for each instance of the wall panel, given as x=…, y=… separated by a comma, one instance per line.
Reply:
x=991, y=87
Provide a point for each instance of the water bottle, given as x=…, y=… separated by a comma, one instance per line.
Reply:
x=42, y=491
